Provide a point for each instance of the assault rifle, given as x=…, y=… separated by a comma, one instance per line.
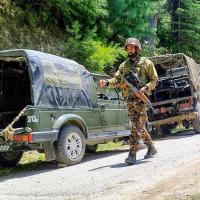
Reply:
x=133, y=82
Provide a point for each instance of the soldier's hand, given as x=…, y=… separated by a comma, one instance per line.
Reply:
x=103, y=83
x=143, y=89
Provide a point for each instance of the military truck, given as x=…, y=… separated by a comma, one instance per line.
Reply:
x=176, y=98
x=54, y=105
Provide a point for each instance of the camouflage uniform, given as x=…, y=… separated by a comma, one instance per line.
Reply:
x=136, y=107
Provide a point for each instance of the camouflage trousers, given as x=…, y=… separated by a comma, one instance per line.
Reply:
x=137, y=113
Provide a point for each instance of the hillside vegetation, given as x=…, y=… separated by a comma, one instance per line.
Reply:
x=93, y=32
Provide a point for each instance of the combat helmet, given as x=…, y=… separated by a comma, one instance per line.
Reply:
x=135, y=42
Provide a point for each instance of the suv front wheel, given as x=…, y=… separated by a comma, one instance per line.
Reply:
x=70, y=146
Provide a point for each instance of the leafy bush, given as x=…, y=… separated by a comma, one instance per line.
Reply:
x=62, y=12
x=102, y=55
x=94, y=55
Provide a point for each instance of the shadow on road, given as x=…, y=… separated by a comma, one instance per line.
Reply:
x=24, y=170
x=104, y=154
x=120, y=165
x=178, y=135
x=38, y=167
x=30, y=169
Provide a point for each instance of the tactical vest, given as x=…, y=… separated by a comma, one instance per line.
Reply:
x=136, y=69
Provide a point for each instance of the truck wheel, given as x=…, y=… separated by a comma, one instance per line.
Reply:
x=70, y=146
x=10, y=159
x=196, y=122
x=165, y=130
x=91, y=148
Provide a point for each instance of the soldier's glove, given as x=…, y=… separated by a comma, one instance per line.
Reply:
x=103, y=83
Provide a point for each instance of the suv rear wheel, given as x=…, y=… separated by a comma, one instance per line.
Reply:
x=70, y=146
x=10, y=159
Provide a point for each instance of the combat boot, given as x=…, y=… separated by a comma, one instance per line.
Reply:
x=131, y=159
x=151, y=151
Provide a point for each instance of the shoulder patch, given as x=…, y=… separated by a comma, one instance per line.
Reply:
x=146, y=61
x=142, y=62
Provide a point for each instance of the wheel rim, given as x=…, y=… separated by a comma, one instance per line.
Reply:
x=73, y=145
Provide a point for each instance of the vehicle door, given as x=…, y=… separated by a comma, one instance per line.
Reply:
x=112, y=109
x=122, y=116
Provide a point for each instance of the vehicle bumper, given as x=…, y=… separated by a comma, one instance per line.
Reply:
x=45, y=136
x=30, y=138
x=188, y=116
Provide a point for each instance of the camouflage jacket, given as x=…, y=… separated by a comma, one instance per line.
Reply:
x=145, y=70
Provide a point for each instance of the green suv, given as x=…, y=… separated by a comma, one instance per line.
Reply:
x=54, y=105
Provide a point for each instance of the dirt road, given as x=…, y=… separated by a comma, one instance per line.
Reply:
x=104, y=176
x=185, y=183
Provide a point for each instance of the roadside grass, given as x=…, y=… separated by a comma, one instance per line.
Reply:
x=32, y=156
x=110, y=146
x=29, y=162
x=193, y=197
x=180, y=128
x=187, y=197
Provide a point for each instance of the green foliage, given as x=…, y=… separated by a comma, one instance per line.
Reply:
x=102, y=55
x=179, y=27
x=91, y=29
x=6, y=8
x=129, y=18
x=164, y=28
x=75, y=47
x=74, y=30
x=63, y=12
x=75, y=50
x=189, y=27
x=94, y=55
x=91, y=51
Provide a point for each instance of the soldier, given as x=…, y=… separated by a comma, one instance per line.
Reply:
x=145, y=69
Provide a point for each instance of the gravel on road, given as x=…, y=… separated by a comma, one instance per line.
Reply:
x=103, y=175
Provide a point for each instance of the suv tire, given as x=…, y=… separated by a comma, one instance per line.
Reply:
x=196, y=122
x=10, y=159
x=70, y=146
